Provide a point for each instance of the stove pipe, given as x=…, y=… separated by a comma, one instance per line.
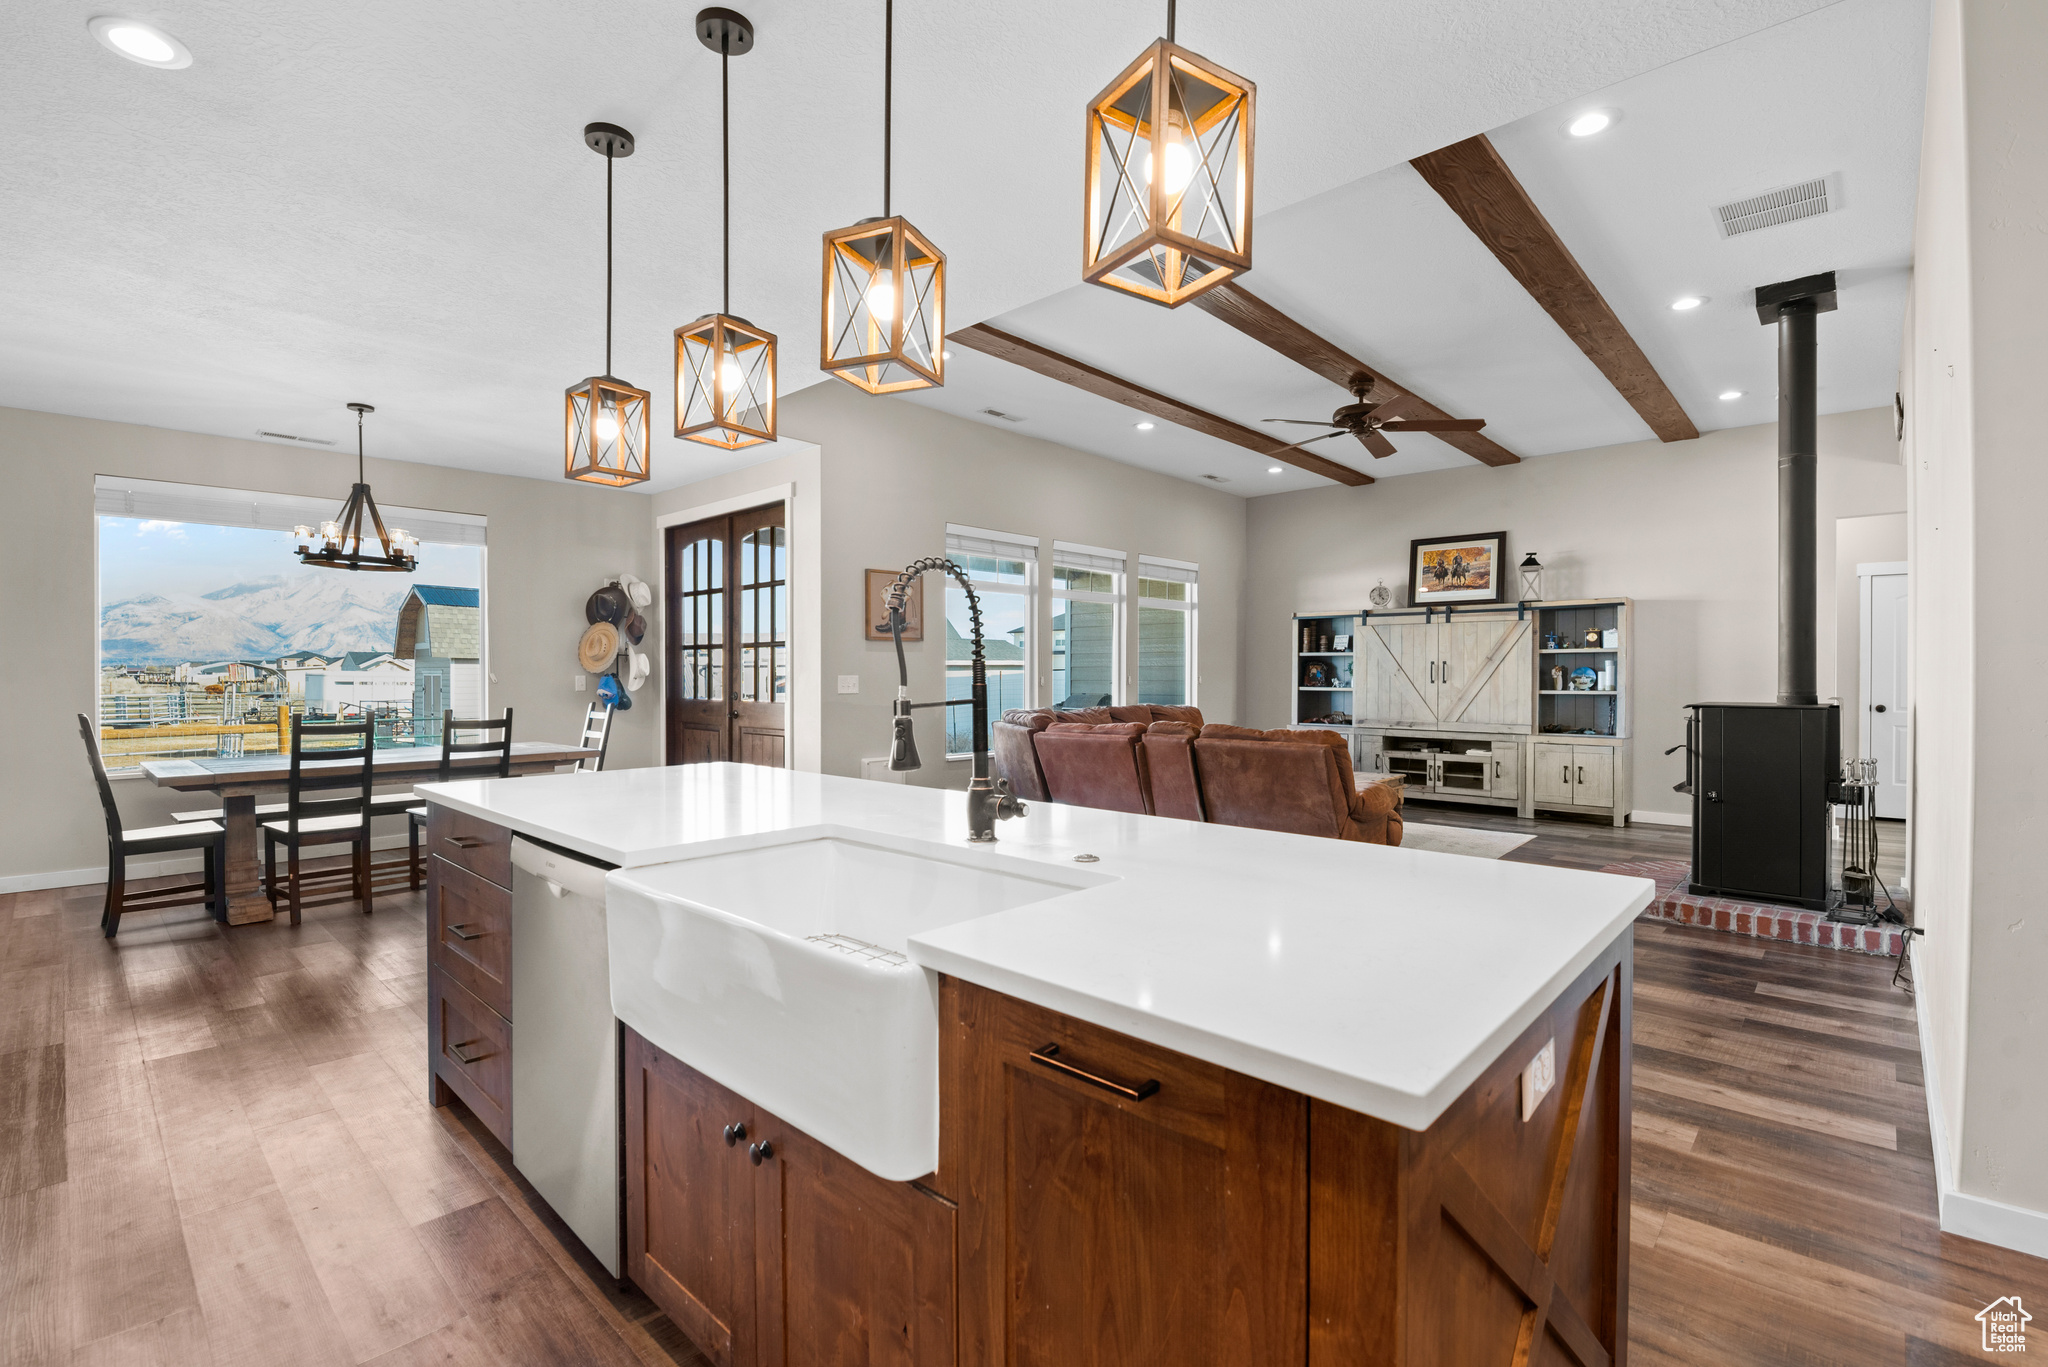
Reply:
x=1793, y=305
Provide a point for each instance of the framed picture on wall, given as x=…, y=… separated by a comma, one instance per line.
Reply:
x=878, y=606
x=1444, y=571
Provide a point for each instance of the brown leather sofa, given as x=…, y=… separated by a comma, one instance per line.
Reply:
x=1170, y=761
x=1096, y=766
x=1013, y=739
x=1292, y=780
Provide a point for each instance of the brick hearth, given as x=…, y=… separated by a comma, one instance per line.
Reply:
x=1760, y=920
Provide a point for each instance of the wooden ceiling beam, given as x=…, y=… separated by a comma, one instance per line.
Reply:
x=1051, y=364
x=1479, y=187
x=1255, y=318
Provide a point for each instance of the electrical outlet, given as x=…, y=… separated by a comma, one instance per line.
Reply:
x=580, y=678
x=849, y=683
x=1538, y=1078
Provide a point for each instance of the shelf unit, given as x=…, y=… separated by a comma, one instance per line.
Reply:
x=1561, y=645
x=1315, y=634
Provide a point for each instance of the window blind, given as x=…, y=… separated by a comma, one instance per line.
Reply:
x=1076, y=557
x=1174, y=571
x=980, y=541
x=153, y=500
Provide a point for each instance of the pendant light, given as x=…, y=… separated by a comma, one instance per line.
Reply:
x=725, y=366
x=1167, y=237
x=341, y=540
x=884, y=325
x=606, y=424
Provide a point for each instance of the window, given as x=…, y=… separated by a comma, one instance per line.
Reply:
x=1003, y=568
x=1166, y=631
x=1087, y=625
x=213, y=635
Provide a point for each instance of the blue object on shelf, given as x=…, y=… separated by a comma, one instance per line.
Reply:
x=1584, y=680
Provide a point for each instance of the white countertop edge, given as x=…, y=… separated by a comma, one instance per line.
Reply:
x=1408, y=1109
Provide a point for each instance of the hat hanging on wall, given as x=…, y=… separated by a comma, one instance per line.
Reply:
x=635, y=628
x=636, y=589
x=608, y=604
x=638, y=667
x=613, y=694
x=598, y=648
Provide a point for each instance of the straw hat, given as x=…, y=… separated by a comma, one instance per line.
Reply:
x=599, y=647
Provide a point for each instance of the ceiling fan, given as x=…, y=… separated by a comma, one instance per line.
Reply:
x=1366, y=420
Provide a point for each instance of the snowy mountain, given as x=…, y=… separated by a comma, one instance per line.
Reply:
x=313, y=610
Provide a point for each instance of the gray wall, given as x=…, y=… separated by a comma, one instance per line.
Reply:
x=1688, y=531
x=549, y=543
x=1971, y=372
x=893, y=474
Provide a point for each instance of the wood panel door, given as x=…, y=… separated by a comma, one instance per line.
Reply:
x=1484, y=666
x=1395, y=680
x=690, y=1226
x=728, y=638
x=1161, y=1226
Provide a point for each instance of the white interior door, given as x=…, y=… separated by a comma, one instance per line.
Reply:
x=1886, y=713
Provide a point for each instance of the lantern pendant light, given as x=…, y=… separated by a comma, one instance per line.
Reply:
x=884, y=325
x=1167, y=237
x=605, y=430
x=341, y=540
x=725, y=366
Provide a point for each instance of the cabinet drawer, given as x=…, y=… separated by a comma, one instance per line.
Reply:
x=470, y=922
x=471, y=1048
x=479, y=846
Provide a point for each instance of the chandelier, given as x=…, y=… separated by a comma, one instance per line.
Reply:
x=341, y=539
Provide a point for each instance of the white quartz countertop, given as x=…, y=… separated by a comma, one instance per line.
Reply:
x=1382, y=980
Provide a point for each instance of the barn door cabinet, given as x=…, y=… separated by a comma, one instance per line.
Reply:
x=1468, y=671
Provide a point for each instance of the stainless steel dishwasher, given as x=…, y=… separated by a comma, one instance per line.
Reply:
x=566, y=1094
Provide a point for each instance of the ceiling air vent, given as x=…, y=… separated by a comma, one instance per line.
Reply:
x=1803, y=200
x=286, y=436
x=1216, y=479
x=999, y=413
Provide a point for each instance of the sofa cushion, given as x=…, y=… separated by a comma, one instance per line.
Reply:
x=1099, y=766
x=1170, y=762
x=1175, y=712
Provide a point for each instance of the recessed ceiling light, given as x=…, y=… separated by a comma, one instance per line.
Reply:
x=945, y=355
x=1591, y=122
x=1275, y=470
x=140, y=42
x=1728, y=394
x=1688, y=301
x=1144, y=426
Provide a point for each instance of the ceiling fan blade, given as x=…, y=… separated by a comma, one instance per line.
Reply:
x=1300, y=422
x=1298, y=445
x=1375, y=443
x=1396, y=406
x=1434, y=424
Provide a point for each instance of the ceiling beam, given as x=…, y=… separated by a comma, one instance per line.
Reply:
x=1051, y=364
x=1480, y=189
x=1261, y=322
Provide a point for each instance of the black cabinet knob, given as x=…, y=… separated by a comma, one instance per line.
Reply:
x=760, y=1152
x=734, y=1133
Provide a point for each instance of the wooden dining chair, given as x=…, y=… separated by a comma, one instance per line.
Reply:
x=487, y=758
x=327, y=802
x=209, y=838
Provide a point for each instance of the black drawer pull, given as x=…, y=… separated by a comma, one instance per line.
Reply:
x=463, y=932
x=1049, y=1057
x=735, y=1132
x=466, y=842
x=460, y=1057
x=761, y=1152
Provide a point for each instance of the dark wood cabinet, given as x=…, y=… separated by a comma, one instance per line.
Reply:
x=799, y=1259
x=469, y=1048
x=469, y=966
x=1118, y=1203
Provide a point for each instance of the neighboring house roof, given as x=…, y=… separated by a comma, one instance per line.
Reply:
x=369, y=659
x=994, y=649
x=437, y=619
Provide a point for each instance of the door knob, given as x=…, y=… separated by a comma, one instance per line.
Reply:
x=1880, y=707
x=761, y=1152
x=734, y=1133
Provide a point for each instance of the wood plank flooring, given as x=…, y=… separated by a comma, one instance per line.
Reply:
x=215, y=1148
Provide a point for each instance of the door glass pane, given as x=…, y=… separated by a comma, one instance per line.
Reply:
x=1083, y=654
x=1163, y=655
x=700, y=620
x=1005, y=625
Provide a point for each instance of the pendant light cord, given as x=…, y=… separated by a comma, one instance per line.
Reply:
x=607, y=261
x=359, y=446
x=1169, y=20
x=888, y=91
x=725, y=158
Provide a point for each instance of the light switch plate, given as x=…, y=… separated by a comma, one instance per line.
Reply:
x=1538, y=1078
x=849, y=683
x=579, y=682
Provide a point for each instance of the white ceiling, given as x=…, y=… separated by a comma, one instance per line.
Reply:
x=1382, y=267
x=391, y=202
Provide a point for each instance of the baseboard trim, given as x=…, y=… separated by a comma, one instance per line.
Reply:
x=1661, y=818
x=137, y=868
x=1971, y=1217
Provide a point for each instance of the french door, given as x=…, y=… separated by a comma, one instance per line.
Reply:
x=728, y=638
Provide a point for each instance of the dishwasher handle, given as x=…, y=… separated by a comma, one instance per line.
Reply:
x=564, y=874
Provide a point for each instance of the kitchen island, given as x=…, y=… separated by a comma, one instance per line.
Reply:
x=1214, y=1095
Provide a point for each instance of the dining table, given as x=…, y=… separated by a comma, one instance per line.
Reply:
x=240, y=780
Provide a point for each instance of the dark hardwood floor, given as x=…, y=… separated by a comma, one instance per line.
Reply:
x=215, y=1149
